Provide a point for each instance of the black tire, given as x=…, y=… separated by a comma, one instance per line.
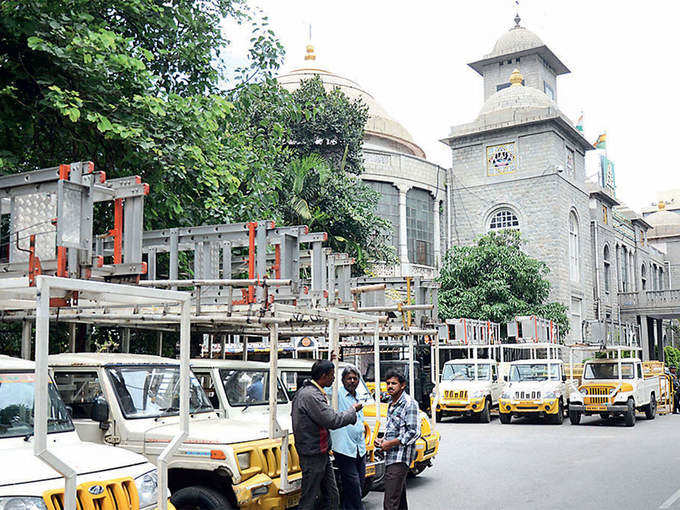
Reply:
x=606, y=416
x=378, y=482
x=485, y=414
x=575, y=417
x=650, y=409
x=367, y=486
x=558, y=418
x=505, y=418
x=629, y=417
x=199, y=498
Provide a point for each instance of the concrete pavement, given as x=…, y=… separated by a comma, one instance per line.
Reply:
x=531, y=465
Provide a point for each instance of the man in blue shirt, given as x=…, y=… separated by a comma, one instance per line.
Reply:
x=349, y=444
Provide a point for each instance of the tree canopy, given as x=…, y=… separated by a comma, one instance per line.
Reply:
x=496, y=281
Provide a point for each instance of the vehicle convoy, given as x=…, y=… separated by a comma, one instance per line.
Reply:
x=241, y=388
x=615, y=387
x=132, y=401
x=534, y=387
x=427, y=445
x=107, y=477
x=468, y=387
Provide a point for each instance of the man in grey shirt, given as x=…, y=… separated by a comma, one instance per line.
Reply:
x=312, y=418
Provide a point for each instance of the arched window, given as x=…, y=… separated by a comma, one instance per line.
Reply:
x=607, y=267
x=420, y=226
x=503, y=219
x=643, y=277
x=624, y=270
x=660, y=278
x=574, y=259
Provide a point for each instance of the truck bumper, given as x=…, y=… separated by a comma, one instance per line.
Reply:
x=426, y=448
x=598, y=408
x=251, y=496
x=461, y=407
x=522, y=408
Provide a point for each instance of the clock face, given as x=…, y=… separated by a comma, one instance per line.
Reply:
x=501, y=159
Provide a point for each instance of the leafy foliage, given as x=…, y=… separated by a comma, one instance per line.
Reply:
x=672, y=356
x=495, y=280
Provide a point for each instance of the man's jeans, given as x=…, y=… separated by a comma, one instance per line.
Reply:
x=352, y=476
x=318, y=483
x=395, y=487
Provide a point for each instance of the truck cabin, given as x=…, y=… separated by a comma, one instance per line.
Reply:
x=469, y=370
x=233, y=385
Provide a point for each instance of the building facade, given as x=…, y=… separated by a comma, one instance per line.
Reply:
x=412, y=189
x=521, y=165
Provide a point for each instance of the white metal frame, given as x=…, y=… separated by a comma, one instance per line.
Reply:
x=22, y=296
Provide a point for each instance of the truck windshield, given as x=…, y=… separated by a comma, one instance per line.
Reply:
x=150, y=391
x=465, y=372
x=534, y=372
x=16, y=406
x=249, y=387
x=608, y=371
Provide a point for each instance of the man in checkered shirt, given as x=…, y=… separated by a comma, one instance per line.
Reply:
x=399, y=441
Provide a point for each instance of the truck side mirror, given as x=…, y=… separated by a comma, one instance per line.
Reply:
x=505, y=378
x=494, y=378
x=100, y=412
x=564, y=377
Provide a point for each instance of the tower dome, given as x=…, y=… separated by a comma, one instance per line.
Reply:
x=516, y=97
x=380, y=125
x=516, y=39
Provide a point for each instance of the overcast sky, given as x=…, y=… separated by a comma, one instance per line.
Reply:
x=412, y=57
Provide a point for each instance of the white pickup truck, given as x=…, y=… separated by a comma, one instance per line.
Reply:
x=468, y=387
x=223, y=463
x=535, y=387
x=107, y=477
x=614, y=388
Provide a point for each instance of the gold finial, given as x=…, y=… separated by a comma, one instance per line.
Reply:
x=310, y=53
x=662, y=205
x=516, y=78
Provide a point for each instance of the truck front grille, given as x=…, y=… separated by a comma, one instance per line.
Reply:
x=120, y=494
x=527, y=395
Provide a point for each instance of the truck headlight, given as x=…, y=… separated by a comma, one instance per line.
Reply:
x=243, y=460
x=477, y=394
x=22, y=503
x=147, y=488
x=549, y=394
x=506, y=395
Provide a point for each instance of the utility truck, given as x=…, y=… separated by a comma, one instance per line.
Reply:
x=468, y=387
x=615, y=387
x=107, y=477
x=534, y=387
x=132, y=401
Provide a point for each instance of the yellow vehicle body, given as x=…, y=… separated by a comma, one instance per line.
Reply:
x=371, y=386
x=455, y=404
x=427, y=445
x=120, y=494
x=547, y=406
x=262, y=478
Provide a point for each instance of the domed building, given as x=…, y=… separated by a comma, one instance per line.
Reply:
x=520, y=164
x=412, y=190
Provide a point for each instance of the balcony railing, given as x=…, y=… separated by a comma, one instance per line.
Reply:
x=650, y=298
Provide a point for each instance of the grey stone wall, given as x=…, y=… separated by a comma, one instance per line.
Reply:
x=532, y=67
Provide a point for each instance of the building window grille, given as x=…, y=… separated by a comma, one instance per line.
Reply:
x=574, y=259
x=504, y=219
x=643, y=277
x=420, y=226
x=607, y=268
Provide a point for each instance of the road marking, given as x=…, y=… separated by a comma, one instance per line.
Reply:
x=669, y=502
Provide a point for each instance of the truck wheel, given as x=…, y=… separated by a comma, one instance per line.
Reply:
x=606, y=416
x=629, y=417
x=378, y=482
x=199, y=498
x=575, y=417
x=366, y=486
x=558, y=419
x=485, y=414
x=505, y=418
x=650, y=409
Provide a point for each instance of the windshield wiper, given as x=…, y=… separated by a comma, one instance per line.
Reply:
x=171, y=409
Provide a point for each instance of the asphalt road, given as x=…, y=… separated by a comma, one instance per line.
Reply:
x=531, y=465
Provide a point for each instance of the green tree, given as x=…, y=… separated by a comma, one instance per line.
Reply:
x=672, y=356
x=132, y=85
x=495, y=280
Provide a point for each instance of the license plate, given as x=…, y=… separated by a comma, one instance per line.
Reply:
x=292, y=500
x=598, y=407
x=527, y=403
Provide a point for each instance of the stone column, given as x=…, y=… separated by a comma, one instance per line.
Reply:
x=437, y=235
x=403, y=242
